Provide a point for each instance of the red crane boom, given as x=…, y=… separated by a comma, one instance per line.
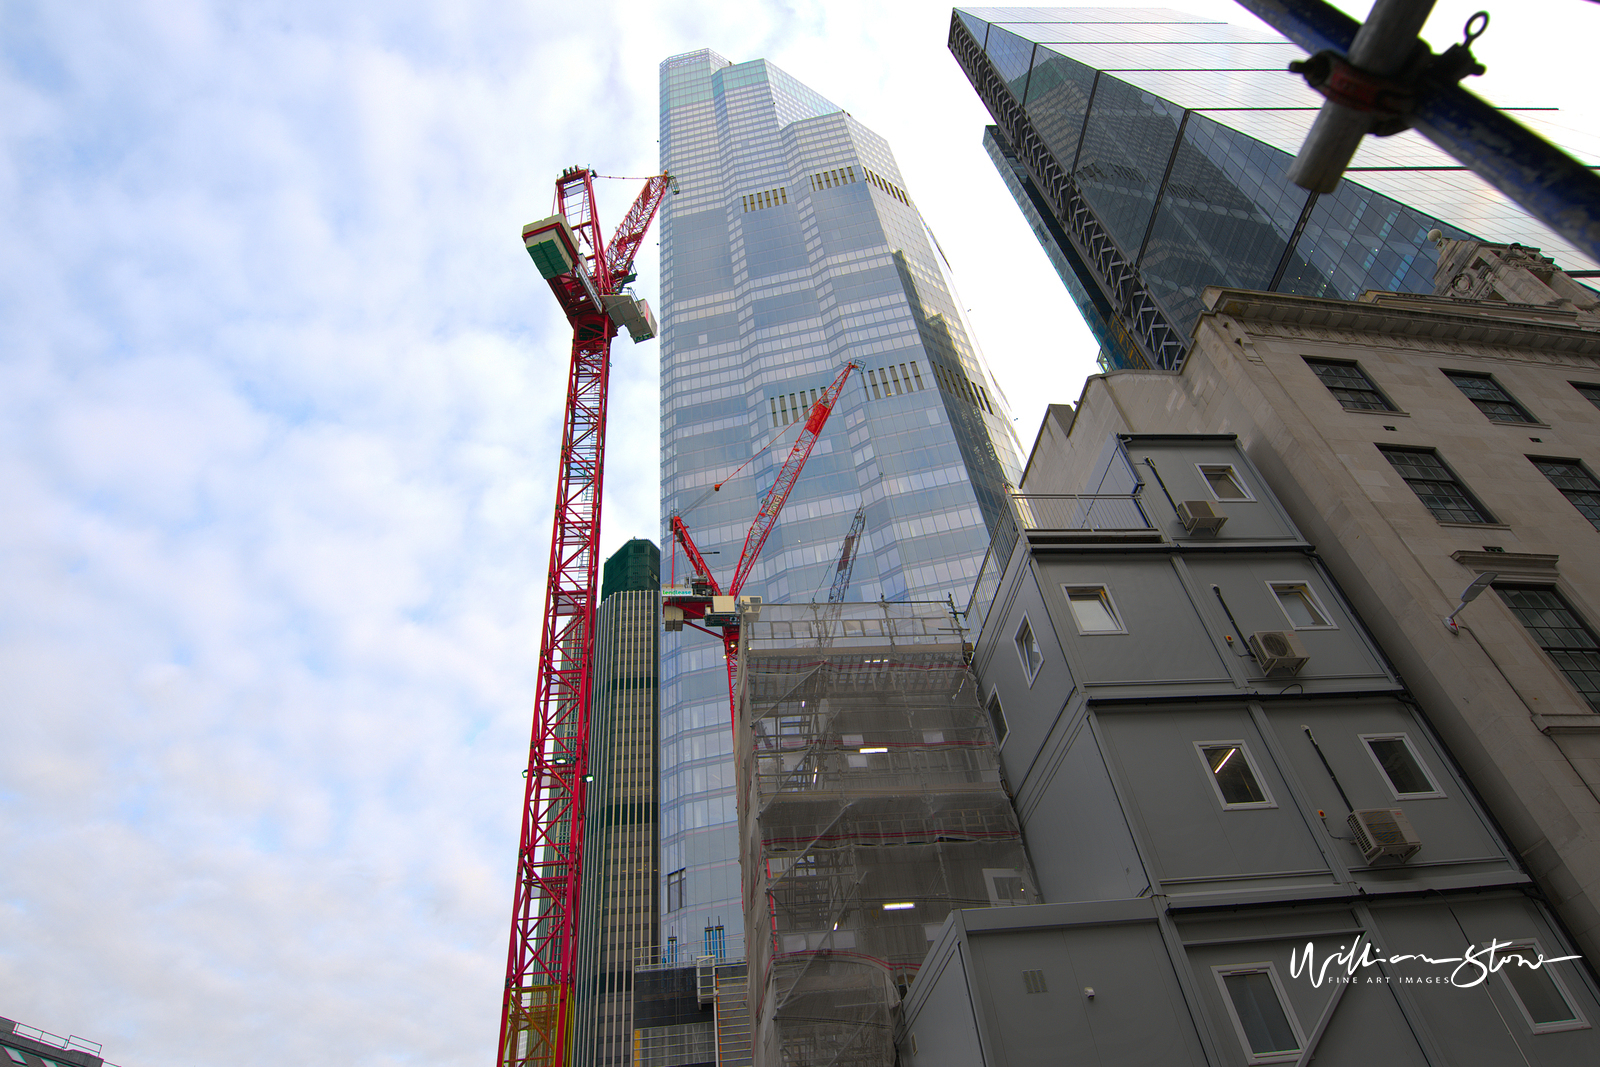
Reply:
x=704, y=599
x=586, y=277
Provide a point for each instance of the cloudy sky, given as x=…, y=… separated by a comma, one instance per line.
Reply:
x=279, y=399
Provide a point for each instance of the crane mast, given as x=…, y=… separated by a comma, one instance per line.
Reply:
x=587, y=278
x=847, y=557
x=703, y=599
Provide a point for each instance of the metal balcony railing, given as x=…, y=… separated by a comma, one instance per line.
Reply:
x=1080, y=511
x=1086, y=512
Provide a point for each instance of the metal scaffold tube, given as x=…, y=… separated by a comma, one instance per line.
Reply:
x=1369, y=89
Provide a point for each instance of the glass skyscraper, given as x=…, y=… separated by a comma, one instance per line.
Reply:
x=1149, y=149
x=793, y=247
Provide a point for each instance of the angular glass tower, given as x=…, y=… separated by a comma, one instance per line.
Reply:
x=792, y=248
x=1149, y=149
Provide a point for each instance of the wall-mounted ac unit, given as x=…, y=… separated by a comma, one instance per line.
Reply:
x=1200, y=515
x=1384, y=832
x=1278, y=650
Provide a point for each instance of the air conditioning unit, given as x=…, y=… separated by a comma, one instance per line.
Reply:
x=1384, y=832
x=1200, y=515
x=1279, y=650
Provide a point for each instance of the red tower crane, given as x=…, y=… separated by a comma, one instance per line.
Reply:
x=587, y=277
x=706, y=601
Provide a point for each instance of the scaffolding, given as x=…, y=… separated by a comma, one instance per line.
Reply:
x=871, y=805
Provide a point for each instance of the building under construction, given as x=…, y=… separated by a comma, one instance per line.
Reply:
x=871, y=806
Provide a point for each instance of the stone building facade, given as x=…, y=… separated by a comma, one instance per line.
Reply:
x=1421, y=442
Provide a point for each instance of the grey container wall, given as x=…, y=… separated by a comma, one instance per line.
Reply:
x=1170, y=898
x=1114, y=983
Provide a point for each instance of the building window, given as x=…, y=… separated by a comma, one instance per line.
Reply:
x=1223, y=481
x=675, y=889
x=1402, y=768
x=1301, y=606
x=1440, y=491
x=997, y=718
x=1028, y=650
x=1590, y=392
x=1575, y=483
x=1265, y=1025
x=1563, y=636
x=1491, y=399
x=1233, y=774
x=16, y=1057
x=1093, y=610
x=1350, y=385
x=1006, y=887
x=1543, y=997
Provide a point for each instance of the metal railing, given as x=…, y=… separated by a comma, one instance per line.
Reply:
x=1080, y=511
x=1089, y=512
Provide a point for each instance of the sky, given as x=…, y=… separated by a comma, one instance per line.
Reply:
x=280, y=398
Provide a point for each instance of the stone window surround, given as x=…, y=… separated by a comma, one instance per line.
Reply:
x=1537, y=569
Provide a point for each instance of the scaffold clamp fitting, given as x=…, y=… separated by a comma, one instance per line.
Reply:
x=1391, y=101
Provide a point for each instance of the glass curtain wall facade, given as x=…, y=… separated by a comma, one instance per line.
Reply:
x=792, y=248
x=1150, y=150
x=617, y=912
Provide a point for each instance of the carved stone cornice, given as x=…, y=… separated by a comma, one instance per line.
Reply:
x=1444, y=322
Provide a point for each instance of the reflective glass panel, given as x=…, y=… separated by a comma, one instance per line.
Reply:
x=1235, y=779
x=1576, y=484
x=1298, y=605
x=1436, y=486
x=1350, y=385
x=1489, y=397
x=1092, y=611
x=1563, y=636
x=1260, y=1012
x=1541, y=997
x=1400, y=765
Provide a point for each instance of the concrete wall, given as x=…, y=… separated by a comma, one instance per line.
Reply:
x=1110, y=983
